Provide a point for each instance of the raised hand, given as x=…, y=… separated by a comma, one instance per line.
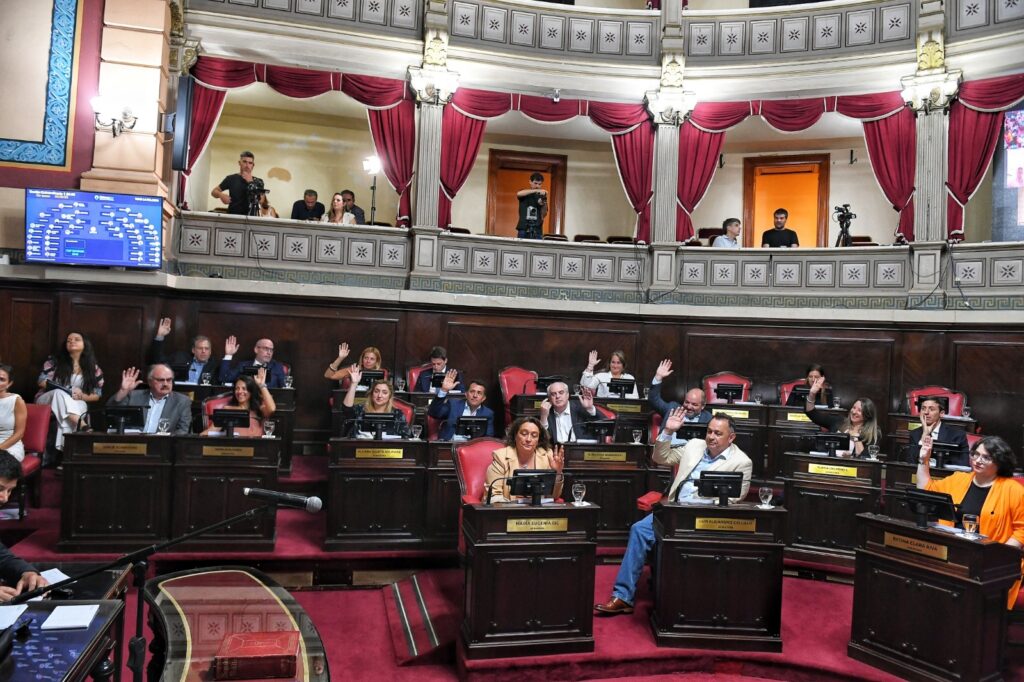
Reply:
x=664, y=369
x=450, y=379
x=164, y=328
x=261, y=377
x=355, y=373
x=586, y=398
x=230, y=345
x=926, y=431
x=129, y=380
x=592, y=361
x=675, y=420
x=817, y=385
x=342, y=351
x=558, y=458
x=545, y=410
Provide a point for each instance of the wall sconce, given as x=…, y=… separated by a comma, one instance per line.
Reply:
x=556, y=96
x=371, y=164
x=112, y=116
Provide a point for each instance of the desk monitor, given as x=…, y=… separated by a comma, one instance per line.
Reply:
x=369, y=377
x=692, y=431
x=544, y=382
x=599, y=429
x=378, y=423
x=947, y=453
x=250, y=370
x=533, y=483
x=831, y=442
x=926, y=505
x=730, y=393
x=471, y=427
x=621, y=387
x=229, y=420
x=720, y=484
x=799, y=392
x=124, y=417
x=180, y=370
x=437, y=379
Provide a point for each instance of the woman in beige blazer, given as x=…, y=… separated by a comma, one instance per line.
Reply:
x=527, y=446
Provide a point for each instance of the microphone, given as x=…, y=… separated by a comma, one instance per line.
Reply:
x=490, y=490
x=311, y=504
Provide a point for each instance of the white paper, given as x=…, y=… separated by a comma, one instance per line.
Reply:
x=55, y=575
x=9, y=615
x=71, y=617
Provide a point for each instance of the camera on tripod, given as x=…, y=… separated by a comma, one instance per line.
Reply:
x=844, y=216
x=255, y=190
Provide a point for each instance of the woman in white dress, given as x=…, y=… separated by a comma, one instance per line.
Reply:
x=75, y=380
x=13, y=415
x=599, y=382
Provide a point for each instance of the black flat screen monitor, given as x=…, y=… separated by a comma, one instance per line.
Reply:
x=370, y=376
x=729, y=392
x=250, y=370
x=229, y=420
x=926, y=506
x=378, y=423
x=533, y=483
x=70, y=227
x=471, y=427
x=544, y=382
x=798, y=395
x=945, y=454
x=180, y=370
x=720, y=484
x=692, y=431
x=621, y=387
x=599, y=429
x=831, y=442
x=123, y=417
x=437, y=379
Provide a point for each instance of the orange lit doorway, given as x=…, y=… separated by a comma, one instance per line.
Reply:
x=507, y=173
x=797, y=183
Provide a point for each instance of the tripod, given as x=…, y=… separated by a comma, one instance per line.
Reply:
x=844, y=238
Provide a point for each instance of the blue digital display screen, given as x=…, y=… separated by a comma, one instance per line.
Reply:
x=72, y=227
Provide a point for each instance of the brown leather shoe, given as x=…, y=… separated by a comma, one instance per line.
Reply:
x=613, y=607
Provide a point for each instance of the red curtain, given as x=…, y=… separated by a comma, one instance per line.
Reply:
x=975, y=122
x=719, y=116
x=791, y=115
x=698, y=154
x=892, y=148
x=394, y=137
x=206, y=107
x=460, y=142
x=633, y=144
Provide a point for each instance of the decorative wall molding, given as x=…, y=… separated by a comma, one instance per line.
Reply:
x=395, y=16
x=967, y=19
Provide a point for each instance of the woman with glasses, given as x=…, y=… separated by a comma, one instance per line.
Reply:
x=987, y=491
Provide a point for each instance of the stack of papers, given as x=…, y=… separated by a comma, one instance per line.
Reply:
x=75, y=617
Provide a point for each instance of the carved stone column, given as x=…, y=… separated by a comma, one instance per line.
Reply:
x=666, y=178
x=428, y=164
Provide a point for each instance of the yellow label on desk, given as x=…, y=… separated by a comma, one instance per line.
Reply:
x=798, y=417
x=625, y=407
x=228, y=451
x=604, y=456
x=725, y=524
x=832, y=470
x=922, y=547
x=537, y=525
x=537, y=404
x=735, y=414
x=118, y=448
x=913, y=479
x=913, y=425
x=379, y=453
x=191, y=394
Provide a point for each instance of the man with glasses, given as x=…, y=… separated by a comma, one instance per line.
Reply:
x=263, y=356
x=199, y=362
x=158, y=402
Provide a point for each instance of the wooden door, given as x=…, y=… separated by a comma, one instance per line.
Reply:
x=797, y=183
x=507, y=173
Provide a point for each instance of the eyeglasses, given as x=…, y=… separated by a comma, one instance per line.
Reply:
x=984, y=459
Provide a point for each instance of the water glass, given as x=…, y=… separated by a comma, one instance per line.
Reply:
x=757, y=398
x=206, y=378
x=289, y=381
x=578, y=492
x=268, y=428
x=970, y=523
x=647, y=392
x=835, y=403
x=765, y=492
x=163, y=427
x=417, y=431
x=967, y=412
x=873, y=451
x=399, y=384
x=637, y=434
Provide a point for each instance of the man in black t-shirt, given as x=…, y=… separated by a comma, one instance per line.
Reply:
x=533, y=206
x=780, y=236
x=233, y=190
x=308, y=208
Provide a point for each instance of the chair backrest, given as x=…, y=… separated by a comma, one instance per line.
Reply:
x=554, y=238
x=713, y=380
x=586, y=238
x=471, y=461
x=407, y=409
x=37, y=425
x=655, y=427
x=433, y=427
x=620, y=239
x=413, y=375
x=286, y=366
x=957, y=400
x=515, y=381
x=973, y=438
x=214, y=402
x=786, y=387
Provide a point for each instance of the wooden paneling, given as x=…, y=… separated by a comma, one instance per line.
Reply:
x=27, y=330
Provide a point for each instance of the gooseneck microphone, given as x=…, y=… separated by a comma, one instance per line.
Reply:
x=490, y=489
x=312, y=504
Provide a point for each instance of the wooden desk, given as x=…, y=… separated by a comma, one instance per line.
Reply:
x=419, y=401
x=375, y=493
x=929, y=605
x=110, y=584
x=116, y=492
x=209, y=475
x=718, y=577
x=614, y=475
x=443, y=496
x=529, y=580
x=68, y=655
x=631, y=414
x=751, y=430
x=790, y=430
x=824, y=495
x=192, y=611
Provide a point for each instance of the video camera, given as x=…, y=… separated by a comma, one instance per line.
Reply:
x=844, y=216
x=255, y=190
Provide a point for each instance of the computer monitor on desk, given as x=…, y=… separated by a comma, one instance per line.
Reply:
x=692, y=431
x=621, y=387
x=598, y=429
x=471, y=427
x=831, y=442
x=946, y=454
x=378, y=423
x=437, y=378
x=122, y=417
x=229, y=420
x=369, y=377
x=544, y=382
x=720, y=484
x=926, y=506
x=730, y=393
x=180, y=370
x=533, y=483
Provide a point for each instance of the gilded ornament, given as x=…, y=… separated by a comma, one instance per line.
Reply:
x=930, y=55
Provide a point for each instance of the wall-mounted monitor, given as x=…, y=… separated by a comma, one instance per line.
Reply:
x=72, y=227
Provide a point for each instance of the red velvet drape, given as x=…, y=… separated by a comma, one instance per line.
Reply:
x=207, y=104
x=698, y=154
x=392, y=113
x=975, y=122
x=460, y=142
x=892, y=148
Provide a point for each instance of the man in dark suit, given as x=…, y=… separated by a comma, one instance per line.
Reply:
x=932, y=409
x=693, y=402
x=263, y=356
x=17, y=575
x=200, y=361
x=438, y=365
x=563, y=417
x=159, y=401
x=450, y=410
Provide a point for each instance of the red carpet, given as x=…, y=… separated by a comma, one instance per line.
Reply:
x=422, y=621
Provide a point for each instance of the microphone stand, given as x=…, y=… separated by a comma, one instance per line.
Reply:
x=137, y=644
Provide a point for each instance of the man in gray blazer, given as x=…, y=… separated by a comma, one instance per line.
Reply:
x=159, y=401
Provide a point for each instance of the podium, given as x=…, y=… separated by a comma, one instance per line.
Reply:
x=529, y=580
x=927, y=604
x=718, y=577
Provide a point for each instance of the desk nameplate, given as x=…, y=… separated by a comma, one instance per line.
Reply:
x=609, y=456
x=625, y=407
x=119, y=448
x=380, y=453
x=723, y=524
x=553, y=525
x=735, y=414
x=228, y=451
x=798, y=417
x=832, y=470
x=922, y=547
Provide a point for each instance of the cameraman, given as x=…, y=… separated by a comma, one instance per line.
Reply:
x=234, y=189
x=533, y=206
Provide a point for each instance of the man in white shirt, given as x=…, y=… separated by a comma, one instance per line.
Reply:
x=159, y=401
x=562, y=416
x=932, y=409
x=729, y=240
